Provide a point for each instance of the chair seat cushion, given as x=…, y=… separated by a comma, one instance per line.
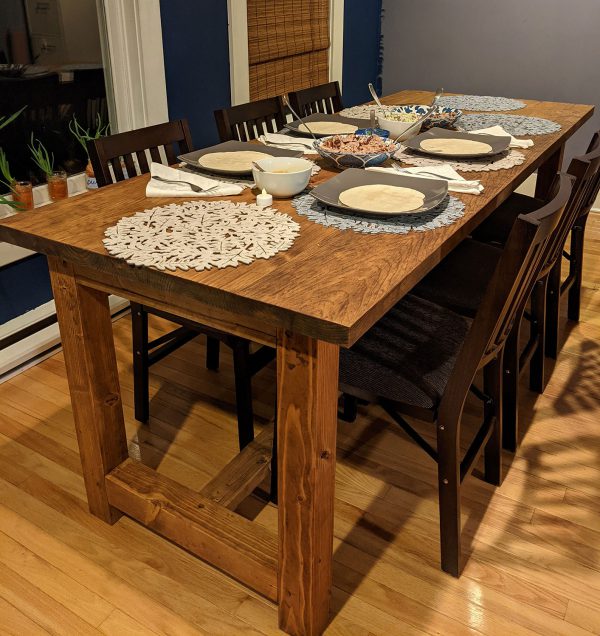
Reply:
x=497, y=227
x=408, y=355
x=460, y=280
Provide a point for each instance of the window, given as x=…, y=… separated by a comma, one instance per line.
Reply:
x=50, y=62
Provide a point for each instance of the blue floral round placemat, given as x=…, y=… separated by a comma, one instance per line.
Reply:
x=481, y=102
x=516, y=125
x=447, y=212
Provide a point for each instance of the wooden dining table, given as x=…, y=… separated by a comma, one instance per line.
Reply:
x=322, y=294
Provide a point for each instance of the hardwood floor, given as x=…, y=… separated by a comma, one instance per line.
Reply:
x=533, y=545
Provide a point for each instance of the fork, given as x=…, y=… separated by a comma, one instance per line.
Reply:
x=193, y=186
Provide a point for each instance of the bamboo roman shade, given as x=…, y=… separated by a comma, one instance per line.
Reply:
x=288, y=45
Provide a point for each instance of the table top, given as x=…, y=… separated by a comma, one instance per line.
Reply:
x=332, y=284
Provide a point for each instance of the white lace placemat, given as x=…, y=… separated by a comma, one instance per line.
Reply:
x=504, y=161
x=517, y=125
x=200, y=235
x=446, y=213
x=481, y=102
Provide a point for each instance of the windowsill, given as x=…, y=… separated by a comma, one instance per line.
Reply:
x=12, y=253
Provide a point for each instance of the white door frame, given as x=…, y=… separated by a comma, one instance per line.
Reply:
x=237, y=11
x=133, y=59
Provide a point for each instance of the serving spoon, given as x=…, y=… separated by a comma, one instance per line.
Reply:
x=286, y=102
x=374, y=95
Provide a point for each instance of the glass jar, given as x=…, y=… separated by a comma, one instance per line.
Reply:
x=57, y=185
x=22, y=192
x=90, y=177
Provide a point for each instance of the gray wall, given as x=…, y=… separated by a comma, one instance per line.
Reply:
x=535, y=49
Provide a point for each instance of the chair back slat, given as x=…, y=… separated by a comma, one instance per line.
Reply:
x=325, y=98
x=129, y=165
x=128, y=149
x=245, y=122
x=142, y=161
x=507, y=292
x=117, y=169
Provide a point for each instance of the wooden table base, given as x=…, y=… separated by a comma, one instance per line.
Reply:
x=293, y=569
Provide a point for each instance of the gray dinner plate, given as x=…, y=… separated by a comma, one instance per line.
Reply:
x=191, y=158
x=498, y=144
x=294, y=126
x=435, y=191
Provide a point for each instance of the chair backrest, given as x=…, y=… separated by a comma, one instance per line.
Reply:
x=586, y=170
x=130, y=148
x=507, y=292
x=325, y=98
x=249, y=121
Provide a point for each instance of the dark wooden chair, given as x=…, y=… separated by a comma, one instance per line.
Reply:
x=421, y=359
x=325, y=98
x=249, y=121
x=459, y=287
x=131, y=147
x=496, y=229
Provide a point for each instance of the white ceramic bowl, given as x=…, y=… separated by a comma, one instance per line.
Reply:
x=397, y=128
x=279, y=183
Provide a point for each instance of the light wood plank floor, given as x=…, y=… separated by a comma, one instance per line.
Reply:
x=533, y=544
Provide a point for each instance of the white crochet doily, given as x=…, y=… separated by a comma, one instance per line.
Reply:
x=200, y=235
x=446, y=213
x=504, y=161
x=481, y=102
x=516, y=125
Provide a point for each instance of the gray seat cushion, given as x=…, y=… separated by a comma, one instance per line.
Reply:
x=408, y=355
x=461, y=279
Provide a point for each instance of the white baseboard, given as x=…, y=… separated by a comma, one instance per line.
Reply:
x=38, y=346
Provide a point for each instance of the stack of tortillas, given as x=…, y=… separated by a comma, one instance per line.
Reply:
x=236, y=161
x=454, y=147
x=382, y=198
x=328, y=128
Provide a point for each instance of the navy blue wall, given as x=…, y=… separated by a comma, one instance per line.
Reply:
x=196, y=50
x=24, y=285
x=362, y=38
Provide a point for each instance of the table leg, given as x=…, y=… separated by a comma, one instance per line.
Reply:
x=307, y=390
x=546, y=173
x=87, y=338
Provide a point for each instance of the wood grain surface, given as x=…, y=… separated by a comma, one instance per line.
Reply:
x=331, y=285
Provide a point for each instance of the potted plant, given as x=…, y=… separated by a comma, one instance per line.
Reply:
x=84, y=135
x=22, y=192
x=57, y=179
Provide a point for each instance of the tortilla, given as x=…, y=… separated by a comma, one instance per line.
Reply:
x=236, y=161
x=328, y=128
x=455, y=146
x=382, y=198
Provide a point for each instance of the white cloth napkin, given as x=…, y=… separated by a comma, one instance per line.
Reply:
x=161, y=189
x=456, y=183
x=500, y=132
x=288, y=142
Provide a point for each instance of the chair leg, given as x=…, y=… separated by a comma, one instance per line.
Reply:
x=212, y=353
x=350, y=408
x=141, y=393
x=449, y=498
x=243, y=391
x=510, y=390
x=577, y=241
x=492, y=386
x=553, y=311
x=537, y=380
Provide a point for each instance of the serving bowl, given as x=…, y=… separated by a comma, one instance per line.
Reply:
x=442, y=116
x=353, y=159
x=397, y=128
x=283, y=176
